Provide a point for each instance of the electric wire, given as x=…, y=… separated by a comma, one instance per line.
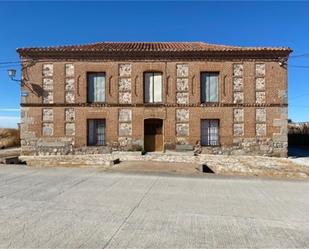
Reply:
x=298, y=55
x=299, y=66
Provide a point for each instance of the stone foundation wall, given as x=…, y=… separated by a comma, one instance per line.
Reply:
x=250, y=146
x=125, y=130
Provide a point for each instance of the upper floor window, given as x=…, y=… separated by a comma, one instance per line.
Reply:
x=153, y=87
x=96, y=87
x=209, y=87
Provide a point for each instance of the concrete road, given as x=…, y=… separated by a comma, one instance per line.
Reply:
x=86, y=208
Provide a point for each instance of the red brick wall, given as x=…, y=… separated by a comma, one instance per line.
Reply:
x=276, y=81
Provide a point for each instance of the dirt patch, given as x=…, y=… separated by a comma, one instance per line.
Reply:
x=157, y=167
x=222, y=165
x=256, y=166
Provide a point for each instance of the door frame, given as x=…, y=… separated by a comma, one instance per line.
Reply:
x=163, y=132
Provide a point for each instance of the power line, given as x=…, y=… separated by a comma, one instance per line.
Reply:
x=299, y=55
x=8, y=66
x=298, y=66
x=12, y=62
x=298, y=106
x=294, y=97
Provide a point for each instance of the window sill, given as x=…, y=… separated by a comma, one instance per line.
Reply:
x=96, y=102
x=209, y=103
x=156, y=103
x=95, y=145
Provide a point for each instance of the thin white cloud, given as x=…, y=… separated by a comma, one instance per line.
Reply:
x=9, y=110
x=9, y=121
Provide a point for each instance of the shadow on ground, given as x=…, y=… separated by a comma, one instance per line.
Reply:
x=298, y=151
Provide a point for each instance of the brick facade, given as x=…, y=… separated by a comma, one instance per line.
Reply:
x=252, y=106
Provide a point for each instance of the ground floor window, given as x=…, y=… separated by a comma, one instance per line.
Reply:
x=210, y=132
x=96, y=131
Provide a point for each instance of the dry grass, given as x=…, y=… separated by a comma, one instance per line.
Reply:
x=9, y=138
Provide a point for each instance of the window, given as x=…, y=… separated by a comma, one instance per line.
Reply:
x=209, y=87
x=96, y=131
x=96, y=87
x=210, y=132
x=153, y=87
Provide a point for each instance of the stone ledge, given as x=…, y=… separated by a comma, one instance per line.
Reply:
x=70, y=160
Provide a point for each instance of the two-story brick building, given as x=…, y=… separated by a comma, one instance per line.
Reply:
x=155, y=96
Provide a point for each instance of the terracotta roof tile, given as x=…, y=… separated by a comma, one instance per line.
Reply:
x=148, y=47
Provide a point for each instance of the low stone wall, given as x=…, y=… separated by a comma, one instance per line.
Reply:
x=94, y=160
x=251, y=147
x=169, y=156
x=62, y=153
x=103, y=160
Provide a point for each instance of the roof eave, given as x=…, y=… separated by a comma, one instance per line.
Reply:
x=246, y=53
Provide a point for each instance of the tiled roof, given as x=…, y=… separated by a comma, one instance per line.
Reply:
x=153, y=51
x=147, y=47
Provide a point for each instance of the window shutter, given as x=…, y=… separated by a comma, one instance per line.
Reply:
x=91, y=80
x=100, y=88
x=157, y=95
x=100, y=132
x=148, y=88
x=213, y=88
x=91, y=132
x=203, y=90
x=205, y=126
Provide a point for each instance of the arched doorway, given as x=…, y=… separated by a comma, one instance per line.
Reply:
x=153, y=134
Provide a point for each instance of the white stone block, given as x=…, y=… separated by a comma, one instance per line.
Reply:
x=182, y=70
x=47, y=114
x=182, y=84
x=182, y=98
x=69, y=84
x=69, y=70
x=239, y=115
x=260, y=70
x=48, y=70
x=238, y=129
x=125, y=115
x=182, y=115
x=238, y=84
x=125, y=98
x=48, y=84
x=238, y=70
x=238, y=97
x=69, y=114
x=125, y=70
x=125, y=84
x=48, y=129
x=260, y=97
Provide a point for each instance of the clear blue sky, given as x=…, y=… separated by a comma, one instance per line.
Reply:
x=24, y=24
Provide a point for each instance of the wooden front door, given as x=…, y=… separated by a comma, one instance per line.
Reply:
x=153, y=135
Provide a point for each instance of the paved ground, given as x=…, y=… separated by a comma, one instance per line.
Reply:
x=89, y=208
